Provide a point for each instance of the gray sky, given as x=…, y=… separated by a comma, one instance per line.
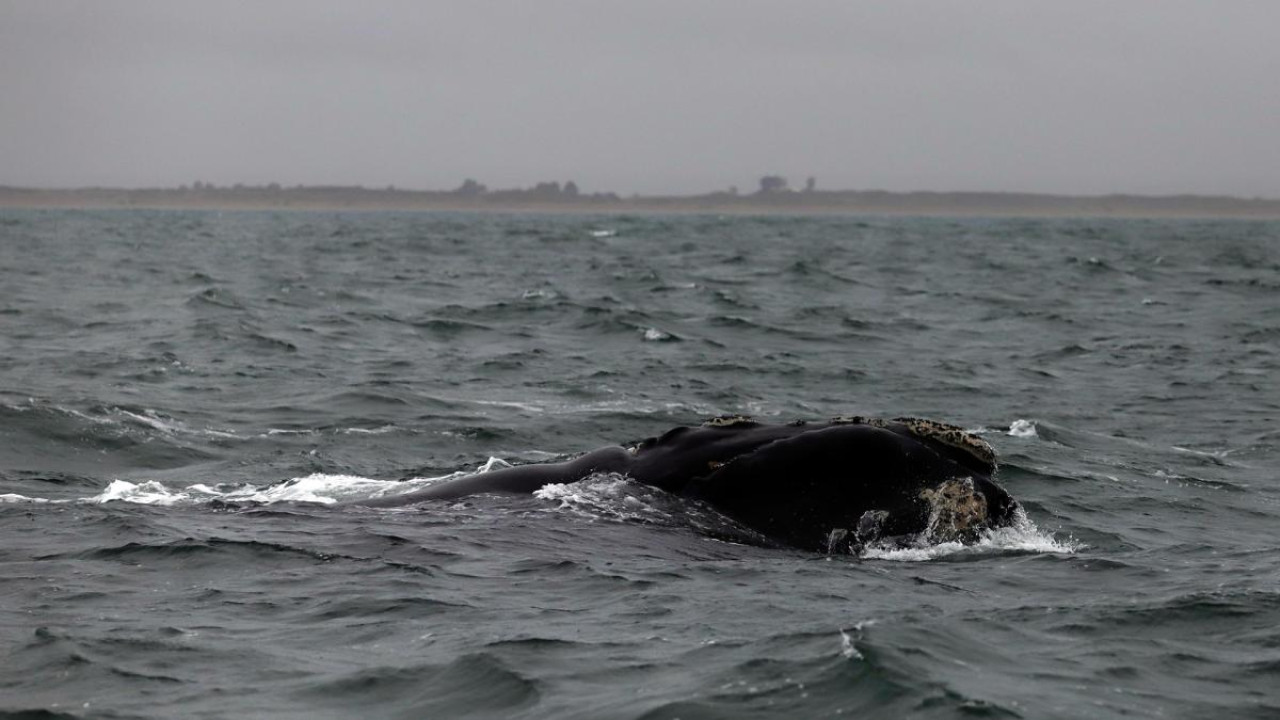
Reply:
x=649, y=96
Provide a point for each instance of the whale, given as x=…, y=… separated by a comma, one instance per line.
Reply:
x=838, y=485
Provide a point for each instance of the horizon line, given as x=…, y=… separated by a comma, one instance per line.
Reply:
x=557, y=188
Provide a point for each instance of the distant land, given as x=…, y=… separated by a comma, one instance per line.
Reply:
x=773, y=197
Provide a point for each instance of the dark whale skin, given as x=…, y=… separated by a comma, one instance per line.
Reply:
x=836, y=485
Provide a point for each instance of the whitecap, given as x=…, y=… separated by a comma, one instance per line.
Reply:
x=847, y=648
x=1022, y=429
x=150, y=492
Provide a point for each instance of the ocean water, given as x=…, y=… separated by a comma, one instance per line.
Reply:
x=184, y=395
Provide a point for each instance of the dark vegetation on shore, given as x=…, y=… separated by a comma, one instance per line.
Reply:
x=773, y=196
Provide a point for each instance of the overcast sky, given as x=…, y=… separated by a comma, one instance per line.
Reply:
x=648, y=96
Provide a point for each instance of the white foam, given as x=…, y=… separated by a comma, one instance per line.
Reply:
x=1021, y=536
x=527, y=407
x=323, y=488
x=603, y=233
x=171, y=426
x=1022, y=429
x=82, y=416
x=369, y=431
x=1202, y=453
x=16, y=498
x=147, y=493
x=847, y=637
x=655, y=335
x=317, y=488
x=606, y=495
x=493, y=463
x=607, y=485
x=847, y=648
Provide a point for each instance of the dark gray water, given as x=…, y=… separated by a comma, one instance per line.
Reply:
x=181, y=392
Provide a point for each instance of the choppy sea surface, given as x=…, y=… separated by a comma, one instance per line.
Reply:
x=185, y=395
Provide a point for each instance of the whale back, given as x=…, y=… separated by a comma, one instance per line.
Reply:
x=840, y=484
x=964, y=447
x=682, y=455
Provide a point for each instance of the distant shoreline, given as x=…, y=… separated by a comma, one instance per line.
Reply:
x=550, y=198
